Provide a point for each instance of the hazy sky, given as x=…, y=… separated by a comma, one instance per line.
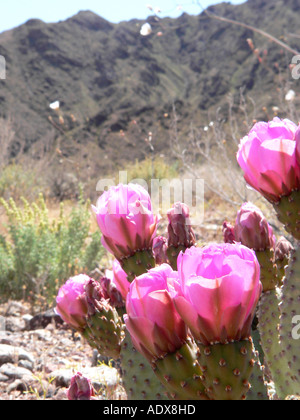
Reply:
x=16, y=12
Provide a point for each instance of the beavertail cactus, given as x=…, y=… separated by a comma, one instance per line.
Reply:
x=105, y=328
x=289, y=324
x=217, y=293
x=159, y=333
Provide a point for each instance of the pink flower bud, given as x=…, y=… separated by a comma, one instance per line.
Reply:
x=252, y=229
x=71, y=302
x=125, y=218
x=110, y=291
x=219, y=288
x=120, y=279
x=152, y=320
x=95, y=297
x=179, y=230
x=283, y=249
x=228, y=233
x=80, y=389
x=268, y=158
x=160, y=250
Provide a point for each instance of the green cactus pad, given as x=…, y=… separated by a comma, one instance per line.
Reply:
x=259, y=388
x=172, y=254
x=139, y=381
x=227, y=369
x=105, y=332
x=138, y=264
x=181, y=374
x=268, y=316
x=288, y=212
x=288, y=333
x=268, y=269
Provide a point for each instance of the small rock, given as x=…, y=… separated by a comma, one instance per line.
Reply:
x=15, y=309
x=26, y=364
x=3, y=378
x=11, y=354
x=27, y=318
x=14, y=372
x=14, y=324
x=101, y=376
x=41, y=335
x=42, y=320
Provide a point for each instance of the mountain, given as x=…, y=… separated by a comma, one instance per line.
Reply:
x=114, y=86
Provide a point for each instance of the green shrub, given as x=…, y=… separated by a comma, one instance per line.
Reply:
x=16, y=181
x=38, y=255
x=149, y=169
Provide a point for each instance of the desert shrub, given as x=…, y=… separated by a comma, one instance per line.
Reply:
x=152, y=168
x=16, y=181
x=38, y=254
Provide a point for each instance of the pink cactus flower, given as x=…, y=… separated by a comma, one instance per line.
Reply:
x=219, y=288
x=252, y=229
x=120, y=279
x=152, y=320
x=80, y=389
x=268, y=158
x=71, y=302
x=125, y=218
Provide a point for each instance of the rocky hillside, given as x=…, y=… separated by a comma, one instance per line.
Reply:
x=114, y=86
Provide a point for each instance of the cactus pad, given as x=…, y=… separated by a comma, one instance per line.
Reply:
x=105, y=331
x=289, y=308
x=227, y=369
x=139, y=381
x=138, y=264
x=288, y=212
x=268, y=269
x=181, y=374
x=268, y=315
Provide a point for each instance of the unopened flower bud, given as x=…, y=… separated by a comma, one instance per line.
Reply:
x=111, y=292
x=160, y=250
x=252, y=229
x=228, y=233
x=80, y=389
x=283, y=249
x=179, y=230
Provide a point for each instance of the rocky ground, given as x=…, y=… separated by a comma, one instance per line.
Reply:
x=39, y=355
